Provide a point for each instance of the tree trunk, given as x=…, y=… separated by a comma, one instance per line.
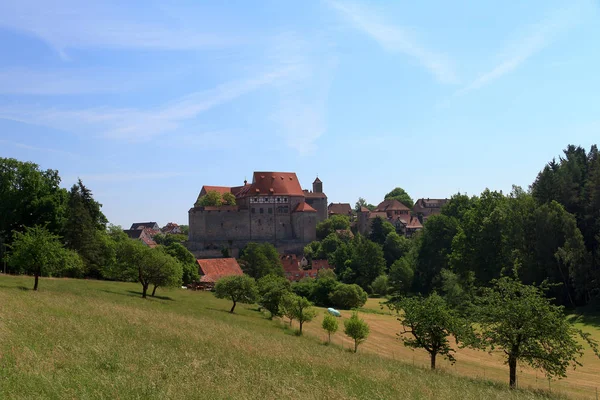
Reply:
x=233, y=307
x=35, y=285
x=329, y=337
x=355, y=345
x=512, y=365
x=301, y=322
x=433, y=355
x=144, y=290
x=154, y=290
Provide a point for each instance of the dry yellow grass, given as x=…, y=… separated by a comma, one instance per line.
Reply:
x=78, y=339
x=383, y=340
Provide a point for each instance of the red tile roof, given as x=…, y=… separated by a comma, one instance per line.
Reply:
x=364, y=209
x=218, y=189
x=414, y=223
x=304, y=207
x=380, y=214
x=313, y=195
x=275, y=183
x=339, y=208
x=213, y=269
x=220, y=208
x=391, y=205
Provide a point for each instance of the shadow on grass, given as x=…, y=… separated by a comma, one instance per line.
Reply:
x=133, y=293
x=586, y=319
x=23, y=288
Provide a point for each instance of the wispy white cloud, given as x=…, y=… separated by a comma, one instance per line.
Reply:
x=37, y=148
x=396, y=39
x=301, y=112
x=141, y=124
x=531, y=41
x=74, y=24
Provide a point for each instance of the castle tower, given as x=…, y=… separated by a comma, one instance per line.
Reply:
x=317, y=186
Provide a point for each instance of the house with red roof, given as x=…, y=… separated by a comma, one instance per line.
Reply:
x=296, y=269
x=272, y=208
x=213, y=269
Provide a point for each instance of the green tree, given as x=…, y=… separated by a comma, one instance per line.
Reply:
x=228, y=199
x=260, y=259
x=29, y=197
x=305, y=287
x=348, y=296
x=148, y=266
x=326, y=273
x=394, y=247
x=331, y=224
x=187, y=260
x=357, y=329
x=400, y=195
x=380, y=285
x=322, y=288
x=84, y=228
x=38, y=252
x=271, y=289
x=363, y=203
x=237, y=288
x=367, y=262
x=298, y=308
x=401, y=276
x=528, y=328
x=380, y=229
x=429, y=322
x=212, y=198
x=330, y=325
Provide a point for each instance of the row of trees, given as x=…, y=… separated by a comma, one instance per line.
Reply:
x=275, y=295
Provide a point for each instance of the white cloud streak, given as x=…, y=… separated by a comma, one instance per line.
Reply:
x=535, y=38
x=395, y=39
x=135, y=125
x=74, y=24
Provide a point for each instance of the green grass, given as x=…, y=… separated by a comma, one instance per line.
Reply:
x=80, y=339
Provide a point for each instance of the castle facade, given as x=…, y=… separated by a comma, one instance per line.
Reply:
x=273, y=208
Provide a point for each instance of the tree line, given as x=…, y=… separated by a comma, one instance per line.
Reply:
x=46, y=230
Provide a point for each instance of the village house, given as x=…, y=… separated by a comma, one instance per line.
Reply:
x=425, y=208
x=145, y=235
x=172, y=229
x=213, y=269
x=296, y=269
x=272, y=208
x=145, y=225
x=340, y=209
x=392, y=211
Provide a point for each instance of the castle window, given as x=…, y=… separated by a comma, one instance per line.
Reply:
x=285, y=199
x=262, y=210
x=278, y=200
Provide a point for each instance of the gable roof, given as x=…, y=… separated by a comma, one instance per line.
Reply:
x=142, y=225
x=391, y=205
x=339, y=208
x=304, y=207
x=218, y=189
x=213, y=269
x=380, y=214
x=317, y=180
x=275, y=183
x=414, y=223
x=314, y=195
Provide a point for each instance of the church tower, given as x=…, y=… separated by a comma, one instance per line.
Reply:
x=317, y=186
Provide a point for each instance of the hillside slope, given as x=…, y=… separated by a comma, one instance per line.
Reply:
x=93, y=339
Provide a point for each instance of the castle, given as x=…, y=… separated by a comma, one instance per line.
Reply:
x=273, y=208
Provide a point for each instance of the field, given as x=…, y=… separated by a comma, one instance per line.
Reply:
x=82, y=339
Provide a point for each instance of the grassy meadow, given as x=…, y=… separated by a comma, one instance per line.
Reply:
x=79, y=339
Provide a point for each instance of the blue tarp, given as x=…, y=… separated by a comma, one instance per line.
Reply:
x=333, y=311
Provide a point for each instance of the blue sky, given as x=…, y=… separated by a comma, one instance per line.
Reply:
x=146, y=102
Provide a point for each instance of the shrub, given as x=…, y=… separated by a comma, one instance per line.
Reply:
x=348, y=296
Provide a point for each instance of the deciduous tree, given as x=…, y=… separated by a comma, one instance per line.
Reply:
x=271, y=289
x=298, y=308
x=330, y=325
x=348, y=296
x=527, y=327
x=357, y=329
x=238, y=289
x=429, y=322
x=260, y=259
x=38, y=252
x=400, y=195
